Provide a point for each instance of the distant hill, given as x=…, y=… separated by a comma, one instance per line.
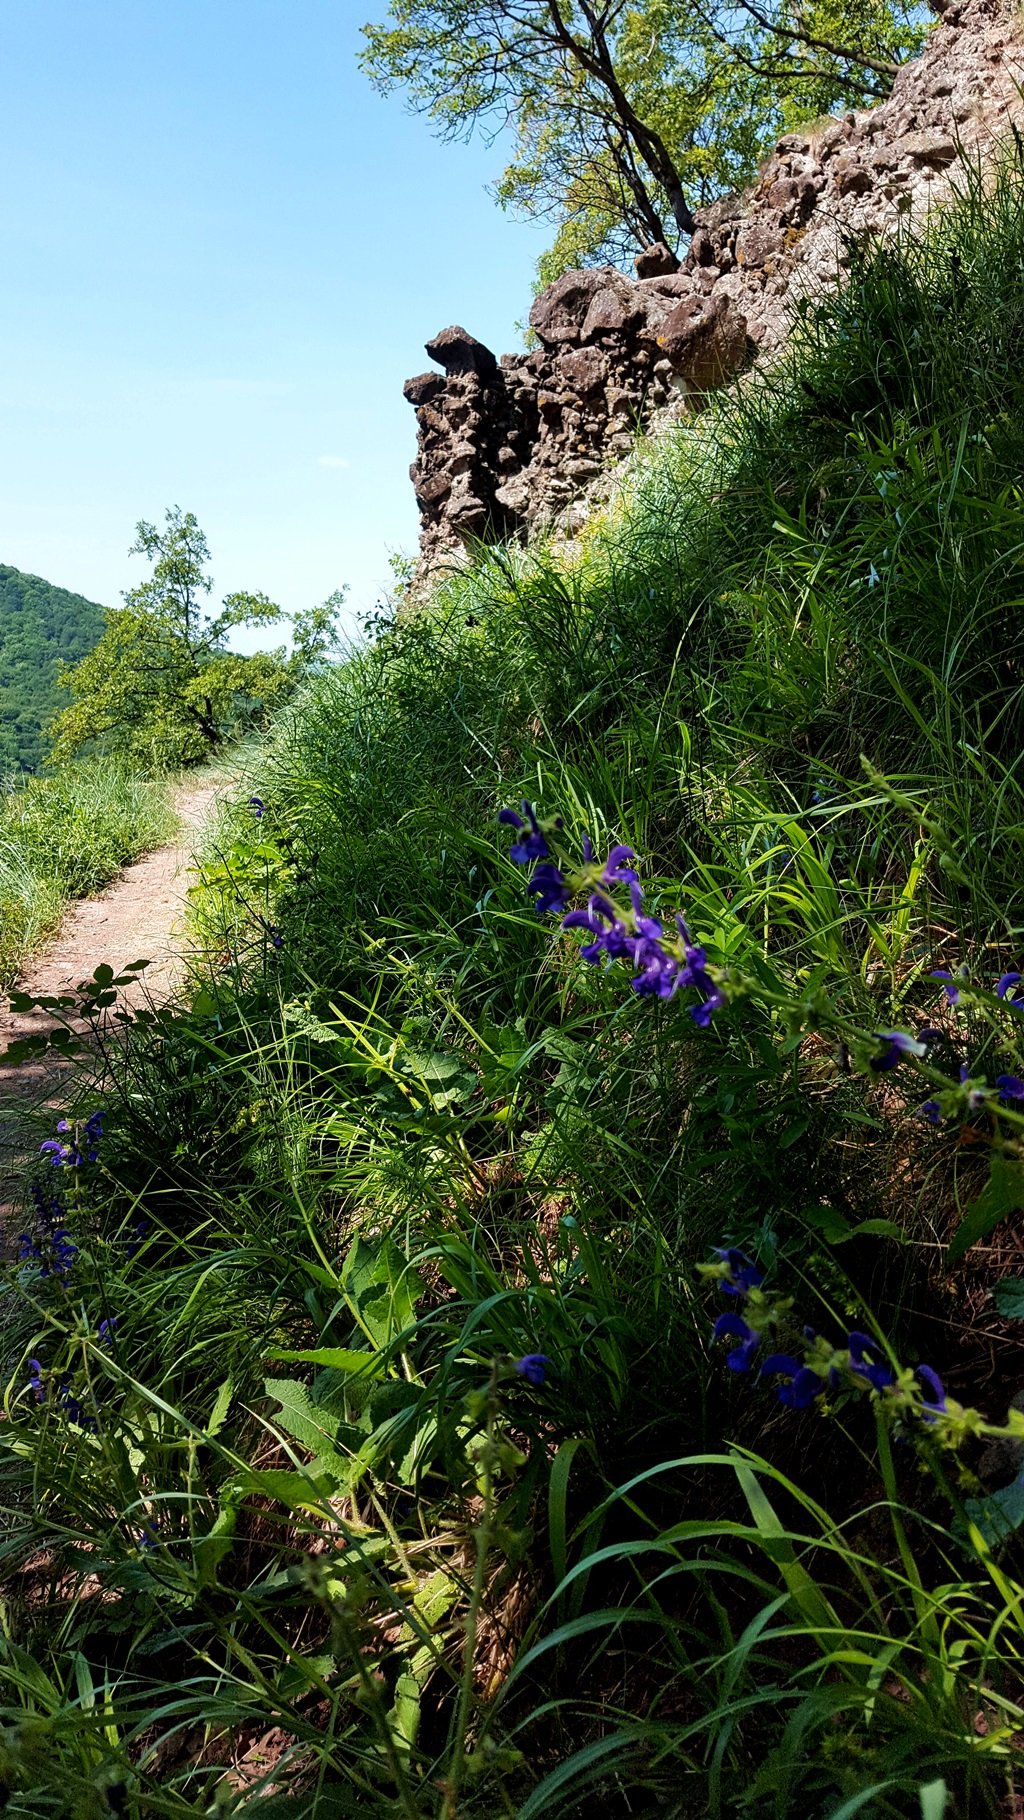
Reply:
x=41, y=627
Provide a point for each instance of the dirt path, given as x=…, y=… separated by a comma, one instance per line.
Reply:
x=137, y=917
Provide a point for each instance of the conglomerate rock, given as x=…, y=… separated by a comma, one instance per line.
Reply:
x=508, y=445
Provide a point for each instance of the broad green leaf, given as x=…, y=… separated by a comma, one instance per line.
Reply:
x=334, y=1358
x=1002, y=1195
x=380, y=1287
x=999, y=1515
x=1008, y=1297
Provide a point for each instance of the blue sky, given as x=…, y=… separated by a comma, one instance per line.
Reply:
x=222, y=256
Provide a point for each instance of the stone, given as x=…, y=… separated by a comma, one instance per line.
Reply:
x=611, y=312
x=932, y=146
x=423, y=388
x=706, y=342
x=851, y=177
x=656, y=261
x=559, y=312
x=582, y=370
x=459, y=352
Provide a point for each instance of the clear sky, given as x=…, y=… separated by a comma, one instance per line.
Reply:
x=222, y=254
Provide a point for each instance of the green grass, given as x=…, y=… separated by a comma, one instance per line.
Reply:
x=405, y=1135
x=64, y=836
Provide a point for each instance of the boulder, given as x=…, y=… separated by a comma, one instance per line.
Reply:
x=559, y=312
x=656, y=261
x=459, y=352
x=423, y=388
x=706, y=341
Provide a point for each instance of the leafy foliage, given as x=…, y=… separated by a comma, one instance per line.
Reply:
x=162, y=685
x=628, y=116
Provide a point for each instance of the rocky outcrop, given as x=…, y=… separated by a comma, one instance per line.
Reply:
x=511, y=444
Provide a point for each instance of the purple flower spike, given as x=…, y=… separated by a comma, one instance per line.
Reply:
x=1011, y=1091
x=936, y=1404
x=734, y=1327
x=533, y=1366
x=533, y=845
x=616, y=871
x=898, y=1045
x=865, y=1360
x=1005, y=986
x=744, y=1274
x=949, y=985
x=802, y=1384
x=548, y=886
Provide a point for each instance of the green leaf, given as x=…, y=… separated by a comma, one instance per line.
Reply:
x=334, y=1358
x=1008, y=1297
x=1002, y=1195
x=934, y=1799
x=999, y=1515
x=219, y=1412
x=829, y=1223
x=381, y=1288
x=315, y=1429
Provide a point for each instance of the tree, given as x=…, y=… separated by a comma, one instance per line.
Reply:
x=162, y=684
x=629, y=113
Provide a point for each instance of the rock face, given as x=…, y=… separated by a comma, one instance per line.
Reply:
x=512, y=444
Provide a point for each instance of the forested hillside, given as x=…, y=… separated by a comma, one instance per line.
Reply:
x=41, y=627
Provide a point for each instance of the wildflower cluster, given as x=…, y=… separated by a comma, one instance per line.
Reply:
x=50, y=1245
x=815, y=1368
x=80, y=1145
x=59, y=1394
x=663, y=963
x=970, y=1093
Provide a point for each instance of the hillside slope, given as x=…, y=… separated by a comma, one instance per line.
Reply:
x=41, y=627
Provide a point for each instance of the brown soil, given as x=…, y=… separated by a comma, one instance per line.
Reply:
x=137, y=917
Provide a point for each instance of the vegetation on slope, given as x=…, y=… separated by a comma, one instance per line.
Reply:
x=41, y=628
x=64, y=836
x=367, y=1449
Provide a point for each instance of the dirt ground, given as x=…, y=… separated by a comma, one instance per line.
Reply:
x=137, y=917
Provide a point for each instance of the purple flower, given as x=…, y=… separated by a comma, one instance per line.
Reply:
x=694, y=973
x=930, y=1111
x=801, y=1385
x=258, y=807
x=744, y=1274
x=865, y=1360
x=937, y=1405
x=276, y=938
x=141, y=1228
x=533, y=845
x=1011, y=1090
x=1005, y=985
x=35, y=1379
x=548, y=886
x=898, y=1045
x=105, y=1330
x=616, y=871
x=734, y=1327
x=950, y=987
x=533, y=1366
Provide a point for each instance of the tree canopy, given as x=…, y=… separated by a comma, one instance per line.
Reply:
x=628, y=114
x=163, y=685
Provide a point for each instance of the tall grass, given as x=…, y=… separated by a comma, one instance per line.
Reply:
x=64, y=836
x=319, y=1543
